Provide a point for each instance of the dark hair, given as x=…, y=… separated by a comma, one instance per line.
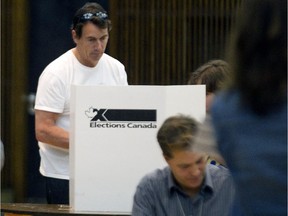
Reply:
x=258, y=54
x=176, y=133
x=212, y=74
x=92, y=12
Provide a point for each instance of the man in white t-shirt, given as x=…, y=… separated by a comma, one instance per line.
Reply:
x=86, y=64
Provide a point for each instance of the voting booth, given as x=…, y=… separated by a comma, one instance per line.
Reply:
x=113, y=139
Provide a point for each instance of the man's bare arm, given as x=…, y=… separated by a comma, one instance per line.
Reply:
x=48, y=132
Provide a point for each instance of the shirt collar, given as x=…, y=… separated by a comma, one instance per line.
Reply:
x=206, y=189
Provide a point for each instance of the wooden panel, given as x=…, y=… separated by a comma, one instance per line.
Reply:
x=161, y=42
x=13, y=87
x=29, y=209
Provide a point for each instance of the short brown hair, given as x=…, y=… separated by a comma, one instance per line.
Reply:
x=176, y=133
x=212, y=74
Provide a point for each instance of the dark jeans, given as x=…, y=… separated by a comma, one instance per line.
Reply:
x=57, y=191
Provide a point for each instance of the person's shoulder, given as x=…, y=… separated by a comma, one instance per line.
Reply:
x=107, y=58
x=228, y=101
x=219, y=171
x=220, y=177
x=61, y=61
x=225, y=97
x=59, y=67
x=155, y=177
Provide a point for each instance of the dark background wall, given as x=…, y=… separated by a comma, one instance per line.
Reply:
x=161, y=42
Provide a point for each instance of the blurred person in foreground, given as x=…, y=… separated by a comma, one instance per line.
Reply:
x=250, y=116
x=188, y=185
x=85, y=64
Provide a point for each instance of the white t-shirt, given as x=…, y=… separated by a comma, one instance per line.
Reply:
x=53, y=95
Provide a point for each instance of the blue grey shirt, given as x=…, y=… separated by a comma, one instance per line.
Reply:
x=158, y=194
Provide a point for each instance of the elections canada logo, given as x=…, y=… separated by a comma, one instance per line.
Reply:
x=122, y=118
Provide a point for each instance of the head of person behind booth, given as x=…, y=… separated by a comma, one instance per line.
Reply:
x=250, y=115
x=213, y=75
x=188, y=185
x=85, y=64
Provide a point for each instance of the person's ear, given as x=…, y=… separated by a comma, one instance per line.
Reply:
x=74, y=36
x=166, y=158
x=209, y=101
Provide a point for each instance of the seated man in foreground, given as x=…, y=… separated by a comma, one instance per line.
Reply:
x=188, y=185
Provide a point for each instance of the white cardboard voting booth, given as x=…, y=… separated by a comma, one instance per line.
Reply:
x=113, y=139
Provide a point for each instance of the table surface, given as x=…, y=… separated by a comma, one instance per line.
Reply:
x=48, y=209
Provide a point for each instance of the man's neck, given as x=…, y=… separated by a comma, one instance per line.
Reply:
x=191, y=192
